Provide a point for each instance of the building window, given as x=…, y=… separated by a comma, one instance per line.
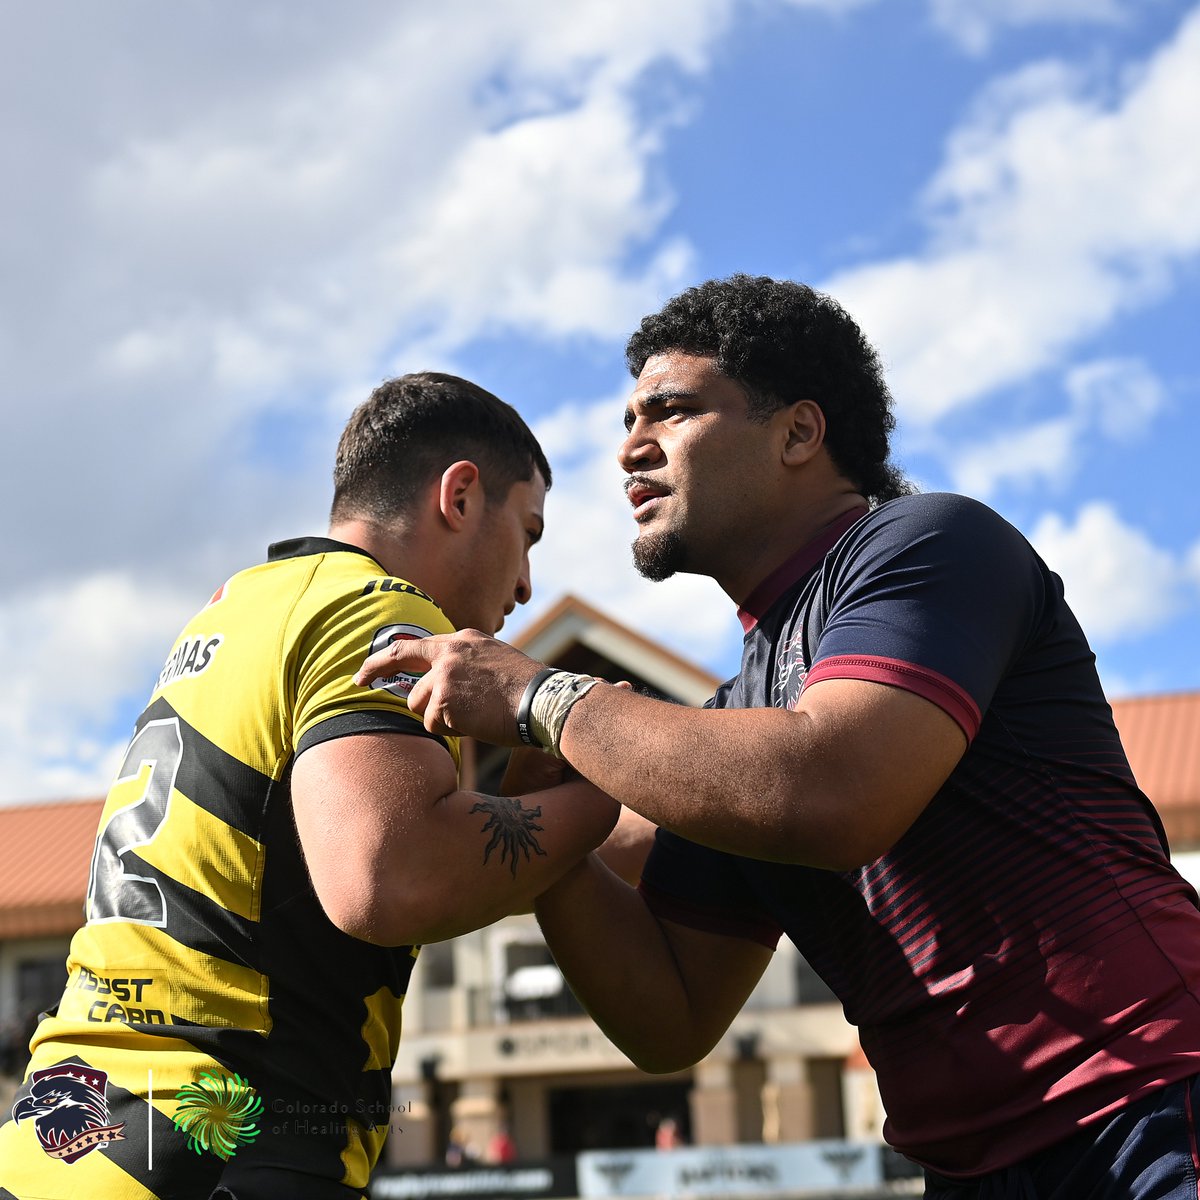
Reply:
x=437, y=964
x=534, y=986
x=40, y=982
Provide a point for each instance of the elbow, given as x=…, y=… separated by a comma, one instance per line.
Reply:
x=364, y=921
x=368, y=910
x=666, y=1053
x=654, y=1062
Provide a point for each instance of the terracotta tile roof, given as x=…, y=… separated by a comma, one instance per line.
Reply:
x=45, y=851
x=1162, y=741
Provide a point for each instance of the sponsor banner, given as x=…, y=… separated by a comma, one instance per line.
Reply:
x=553, y=1179
x=747, y=1170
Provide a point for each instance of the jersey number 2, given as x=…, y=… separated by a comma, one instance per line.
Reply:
x=115, y=894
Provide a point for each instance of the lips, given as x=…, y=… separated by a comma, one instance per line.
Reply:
x=645, y=498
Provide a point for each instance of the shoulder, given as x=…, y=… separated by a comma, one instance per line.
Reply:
x=934, y=510
x=937, y=523
x=348, y=590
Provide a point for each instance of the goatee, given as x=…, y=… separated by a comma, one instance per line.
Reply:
x=657, y=556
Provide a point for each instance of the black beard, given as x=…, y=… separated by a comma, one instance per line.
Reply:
x=657, y=556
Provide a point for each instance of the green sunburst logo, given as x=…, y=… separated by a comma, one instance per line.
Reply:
x=217, y=1113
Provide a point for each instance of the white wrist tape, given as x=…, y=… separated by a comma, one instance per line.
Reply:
x=554, y=698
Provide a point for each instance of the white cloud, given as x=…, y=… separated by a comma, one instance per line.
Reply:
x=219, y=231
x=975, y=23
x=1193, y=564
x=69, y=648
x=1117, y=581
x=1056, y=210
x=207, y=239
x=223, y=223
x=1039, y=453
x=1122, y=396
x=1116, y=397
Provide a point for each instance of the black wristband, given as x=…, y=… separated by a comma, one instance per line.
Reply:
x=524, y=715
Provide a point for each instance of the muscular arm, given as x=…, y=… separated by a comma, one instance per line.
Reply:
x=398, y=855
x=833, y=784
x=660, y=991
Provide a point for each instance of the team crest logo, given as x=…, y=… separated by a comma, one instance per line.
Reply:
x=398, y=684
x=68, y=1105
x=790, y=673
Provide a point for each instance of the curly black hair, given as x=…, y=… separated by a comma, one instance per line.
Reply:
x=784, y=342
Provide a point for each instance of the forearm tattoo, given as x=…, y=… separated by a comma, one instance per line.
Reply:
x=512, y=827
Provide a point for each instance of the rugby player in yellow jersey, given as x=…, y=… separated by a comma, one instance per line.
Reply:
x=279, y=842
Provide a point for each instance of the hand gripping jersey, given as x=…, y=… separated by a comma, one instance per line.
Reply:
x=1024, y=960
x=216, y=1026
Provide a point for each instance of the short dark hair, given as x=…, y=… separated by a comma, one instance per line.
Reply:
x=412, y=428
x=784, y=342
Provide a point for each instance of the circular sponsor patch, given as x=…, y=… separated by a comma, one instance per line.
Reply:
x=399, y=684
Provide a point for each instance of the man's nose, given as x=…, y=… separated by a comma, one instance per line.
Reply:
x=639, y=450
x=523, y=592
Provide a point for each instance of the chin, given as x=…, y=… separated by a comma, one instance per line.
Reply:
x=659, y=555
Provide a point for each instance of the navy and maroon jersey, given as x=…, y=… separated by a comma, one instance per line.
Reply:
x=1025, y=959
x=216, y=1026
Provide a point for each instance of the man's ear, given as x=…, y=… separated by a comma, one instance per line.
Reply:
x=804, y=433
x=459, y=492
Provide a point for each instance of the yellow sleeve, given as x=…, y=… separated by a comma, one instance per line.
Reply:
x=342, y=619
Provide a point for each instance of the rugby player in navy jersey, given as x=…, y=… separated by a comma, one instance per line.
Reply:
x=915, y=776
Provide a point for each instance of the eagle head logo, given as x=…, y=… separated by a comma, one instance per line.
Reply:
x=68, y=1105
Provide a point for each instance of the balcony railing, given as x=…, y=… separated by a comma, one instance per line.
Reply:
x=493, y=1006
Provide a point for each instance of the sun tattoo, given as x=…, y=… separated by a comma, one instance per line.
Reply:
x=512, y=828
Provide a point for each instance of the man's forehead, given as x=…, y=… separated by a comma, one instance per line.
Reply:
x=676, y=373
x=672, y=366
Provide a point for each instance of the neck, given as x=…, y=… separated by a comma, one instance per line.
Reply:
x=788, y=536
x=396, y=548
x=418, y=548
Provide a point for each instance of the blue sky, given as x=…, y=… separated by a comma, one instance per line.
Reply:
x=223, y=224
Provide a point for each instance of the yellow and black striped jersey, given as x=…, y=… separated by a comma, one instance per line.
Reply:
x=215, y=1013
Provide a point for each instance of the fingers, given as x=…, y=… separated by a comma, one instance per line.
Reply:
x=408, y=656
x=466, y=682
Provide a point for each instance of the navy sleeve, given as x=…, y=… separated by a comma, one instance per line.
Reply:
x=936, y=594
x=704, y=889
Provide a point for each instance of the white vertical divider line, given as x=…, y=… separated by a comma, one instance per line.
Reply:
x=149, y=1118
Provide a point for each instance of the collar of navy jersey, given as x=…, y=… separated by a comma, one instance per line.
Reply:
x=796, y=568
x=301, y=547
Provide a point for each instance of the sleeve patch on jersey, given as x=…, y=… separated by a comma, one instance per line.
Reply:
x=398, y=684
